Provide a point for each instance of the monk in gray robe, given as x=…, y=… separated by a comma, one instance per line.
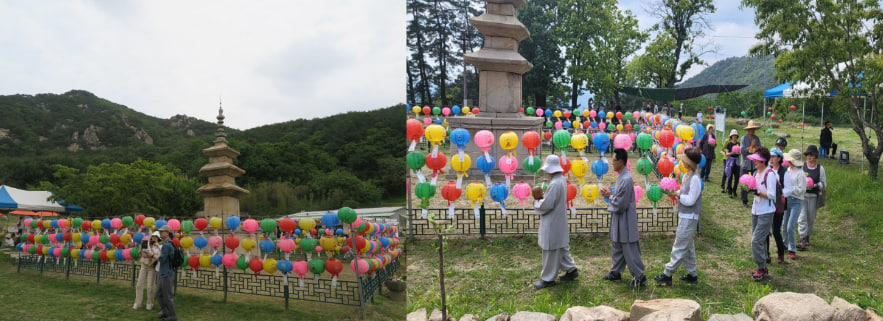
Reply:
x=624, y=224
x=554, y=236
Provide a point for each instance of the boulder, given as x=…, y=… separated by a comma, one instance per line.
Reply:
x=468, y=317
x=872, y=316
x=532, y=316
x=666, y=309
x=845, y=311
x=730, y=317
x=782, y=135
x=790, y=306
x=598, y=313
x=436, y=315
x=499, y=317
x=418, y=315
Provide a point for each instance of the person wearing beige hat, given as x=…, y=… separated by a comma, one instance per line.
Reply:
x=794, y=192
x=166, y=276
x=553, y=238
x=147, y=274
x=731, y=165
x=683, y=251
x=749, y=144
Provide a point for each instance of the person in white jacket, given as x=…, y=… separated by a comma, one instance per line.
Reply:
x=147, y=275
x=794, y=189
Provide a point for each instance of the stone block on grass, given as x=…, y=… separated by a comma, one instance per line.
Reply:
x=418, y=315
x=532, y=316
x=790, y=306
x=598, y=313
x=666, y=309
x=845, y=311
x=730, y=317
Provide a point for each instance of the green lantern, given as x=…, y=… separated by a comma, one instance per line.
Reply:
x=645, y=166
x=104, y=238
x=241, y=263
x=34, y=223
x=416, y=160
x=77, y=222
x=65, y=252
x=273, y=236
x=128, y=221
x=537, y=163
x=308, y=244
x=268, y=225
x=135, y=252
x=187, y=226
x=644, y=141
x=186, y=259
x=530, y=111
x=627, y=116
x=436, y=110
x=548, y=123
x=425, y=191
x=32, y=250
x=96, y=256
x=316, y=266
x=561, y=138
x=346, y=215
x=744, y=113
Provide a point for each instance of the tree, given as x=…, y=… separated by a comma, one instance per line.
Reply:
x=542, y=50
x=573, y=33
x=674, y=49
x=114, y=189
x=833, y=46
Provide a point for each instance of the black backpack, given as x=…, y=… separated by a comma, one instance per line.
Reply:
x=177, y=258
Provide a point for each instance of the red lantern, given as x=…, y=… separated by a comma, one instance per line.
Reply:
x=139, y=219
x=427, y=110
x=709, y=107
x=314, y=231
x=415, y=130
x=666, y=138
x=287, y=225
x=475, y=110
x=103, y=255
x=231, y=242
x=176, y=242
x=780, y=120
x=628, y=127
x=255, y=264
x=200, y=224
x=437, y=163
x=547, y=135
x=66, y=236
x=571, y=194
x=359, y=242
x=193, y=262
x=86, y=226
x=334, y=267
x=770, y=109
x=114, y=239
x=567, y=114
x=773, y=116
x=586, y=124
x=665, y=166
x=565, y=164
x=531, y=140
x=450, y=191
x=521, y=110
x=618, y=115
x=792, y=107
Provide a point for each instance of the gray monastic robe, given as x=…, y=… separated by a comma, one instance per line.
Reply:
x=554, y=232
x=623, y=214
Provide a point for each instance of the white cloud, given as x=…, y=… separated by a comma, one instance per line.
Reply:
x=270, y=61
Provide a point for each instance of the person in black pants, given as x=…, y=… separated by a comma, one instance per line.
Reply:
x=749, y=144
x=825, y=140
x=776, y=156
x=731, y=165
x=707, y=149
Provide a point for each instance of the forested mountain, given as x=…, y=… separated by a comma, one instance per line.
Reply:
x=757, y=73
x=350, y=158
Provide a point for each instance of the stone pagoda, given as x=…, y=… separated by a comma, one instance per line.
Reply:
x=500, y=69
x=221, y=193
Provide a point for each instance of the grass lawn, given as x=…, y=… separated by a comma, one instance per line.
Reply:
x=488, y=277
x=28, y=295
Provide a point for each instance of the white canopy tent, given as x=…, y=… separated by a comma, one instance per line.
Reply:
x=13, y=198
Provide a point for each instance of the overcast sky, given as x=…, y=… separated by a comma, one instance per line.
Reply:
x=269, y=61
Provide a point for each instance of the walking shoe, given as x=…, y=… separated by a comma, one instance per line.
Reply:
x=636, y=282
x=570, y=276
x=723, y=191
x=612, y=276
x=149, y=307
x=745, y=205
x=781, y=259
x=662, y=280
x=792, y=255
x=135, y=307
x=758, y=274
x=802, y=244
x=693, y=279
x=543, y=284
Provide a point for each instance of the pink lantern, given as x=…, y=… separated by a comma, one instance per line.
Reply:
x=215, y=241
x=508, y=165
x=318, y=249
x=62, y=224
x=88, y=254
x=250, y=226
x=602, y=126
x=446, y=111
x=809, y=183
x=636, y=114
x=229, y=260
x=559, y=124
x=748, y=181
x=127, y=254
x=484, y=139
x=28, y=221
x=639, y=192
x=593, y=113
x=363, y=265
x=427, y=121
x=286, y=245
x=300, y=268
x=93, y=240
x=668, y=184
x=540, y=112
x=736, y=149
x=174, y=224
x=521, y=191
x=57, y=252
x=622, y=141
x=116, y=222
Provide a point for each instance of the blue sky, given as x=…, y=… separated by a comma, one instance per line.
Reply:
x=270, y=61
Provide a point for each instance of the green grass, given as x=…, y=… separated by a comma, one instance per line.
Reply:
x=492, y=276
x=28, y=295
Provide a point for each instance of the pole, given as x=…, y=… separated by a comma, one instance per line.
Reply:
x=803, y=124
x=98, y=274
x=481, y=226
x=441, y=276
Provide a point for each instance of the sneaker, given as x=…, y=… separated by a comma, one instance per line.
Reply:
x=543, y=284
x=135, y=307
x=758, y=274
x=781, y=259
x=792, y=255
x=149, y=307
x=636, y=282
x=570, y=276
x=689, y=278
x=662, y=280
x=613, y=276
x=723, y=191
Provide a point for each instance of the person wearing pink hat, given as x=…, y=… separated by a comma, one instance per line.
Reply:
x=554, y=237
x=762, y=210
x=749, y=144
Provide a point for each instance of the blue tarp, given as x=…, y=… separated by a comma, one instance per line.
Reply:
x=6, y=200
x=777, y=91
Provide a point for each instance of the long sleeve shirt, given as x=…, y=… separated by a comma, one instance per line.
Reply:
x=691, y=197
x=165, y=258
x=765, y=205
x=795, y=183
x=552, y=208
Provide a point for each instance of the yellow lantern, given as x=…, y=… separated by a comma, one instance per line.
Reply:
x=435, y=133
x=48, y=224
x=96, y=225
x=149, y=222
x=509, y=140
x=248, y=244
x=415, y=110
x=76, y=236
x=126, y=238
x=461, y=166
x=685, y=132
x=205, y=260
x=269, y=265
x=586, y=113
x=557, y=114
x=579, y=141
x=619, y=127
x=590, y=192
x=475, y=191
x=579, y=168
x=329, y=243
x=609, y=115
x=187, y=242
x=215, y=222
x=576, y=124
x=75, y=253
x=45, y=250
x=680, y=149
x=306, y=224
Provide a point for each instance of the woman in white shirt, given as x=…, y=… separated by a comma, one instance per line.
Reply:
x=762, y=210
x=794, y=189
x=689, y=207
x=150, y=250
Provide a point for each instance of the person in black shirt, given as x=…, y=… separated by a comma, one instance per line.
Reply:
x=731, y=165
x=825, y=140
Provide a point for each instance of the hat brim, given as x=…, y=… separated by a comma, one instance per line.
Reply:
x=791, y=160
x=756, y=126
x=756, y=157
x=552, y=169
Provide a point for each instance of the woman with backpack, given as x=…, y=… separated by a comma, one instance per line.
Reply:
x=795, y=180
x=150, y=250
x=762, y=209
x=776, y=157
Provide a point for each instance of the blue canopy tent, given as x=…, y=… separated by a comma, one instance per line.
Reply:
x=776, y=92
x=12, y=198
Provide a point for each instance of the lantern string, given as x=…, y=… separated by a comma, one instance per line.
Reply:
x=413, y=146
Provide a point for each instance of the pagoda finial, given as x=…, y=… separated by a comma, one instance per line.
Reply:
x=220, y=135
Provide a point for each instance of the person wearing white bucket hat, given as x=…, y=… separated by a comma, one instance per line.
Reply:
x=795, y=179
x=554, y=238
